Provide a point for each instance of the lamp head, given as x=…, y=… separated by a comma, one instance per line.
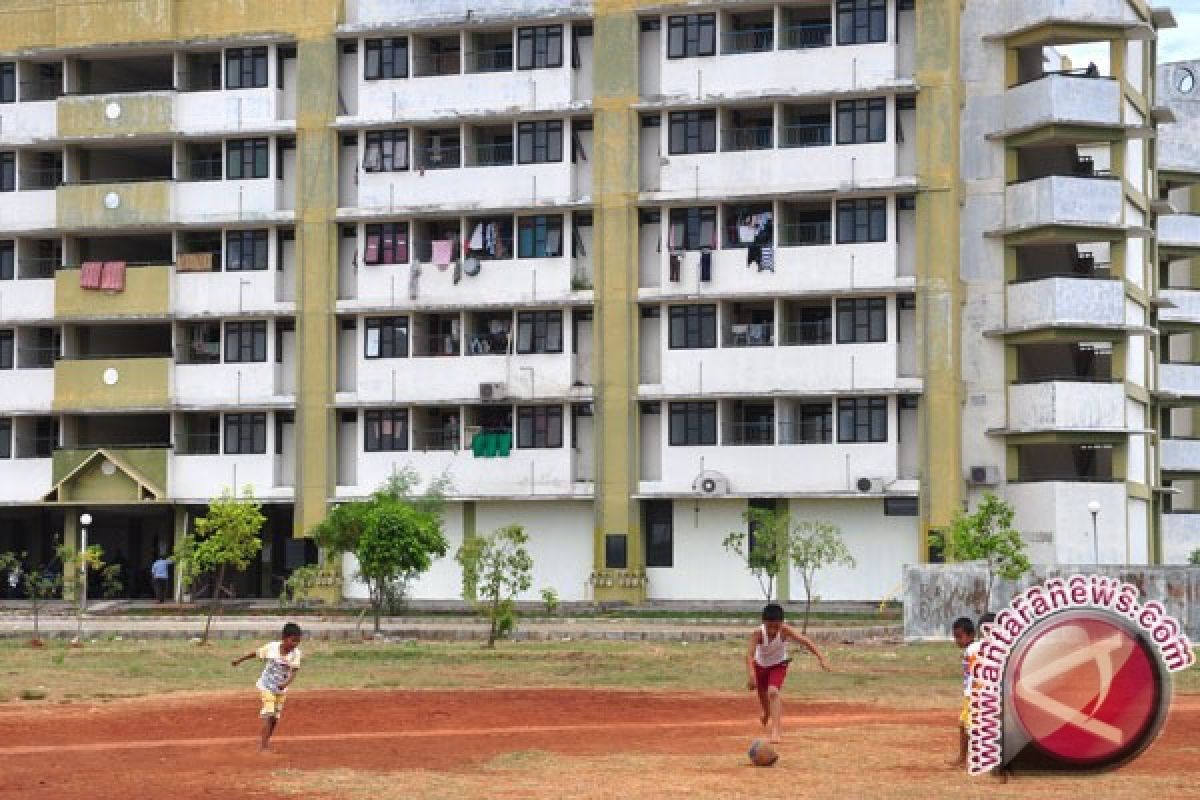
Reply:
x=85, y=519
x=1094, y=507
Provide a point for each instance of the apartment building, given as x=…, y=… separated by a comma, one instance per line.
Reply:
x=618, y=271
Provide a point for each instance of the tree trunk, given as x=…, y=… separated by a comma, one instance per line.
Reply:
x=36, y=612
x=495, y=615
x=212, y=608
x=807, y=604
x=377, y=602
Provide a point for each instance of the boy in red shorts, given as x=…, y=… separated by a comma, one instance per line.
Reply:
x=767, y=662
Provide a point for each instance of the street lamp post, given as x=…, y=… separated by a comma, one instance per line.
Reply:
x=85, y=519
x=1094, y=508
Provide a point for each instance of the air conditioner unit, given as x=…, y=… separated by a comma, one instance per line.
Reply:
x=983, y=476
x=710, y=484
x=491, y=391
x=869, y=485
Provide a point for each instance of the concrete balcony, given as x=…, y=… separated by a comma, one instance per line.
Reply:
x=1065, y=302
x=1055, y=515
x=1180, y=455
x=453, y=379
x=112, y=115
x=26, y=389
x=101, y=205
x=511, y=186
x=1180, y=536
x=27, y=122
x=206, y=476
x=473, y=93
x=209, y=385
x=147, y=293
x=1023, y=15
x=1186, y=304
x=226, y=111
x=29, y=210
x=546, y=472
x=224, y=293
x=1066, y=406
x=116, y=384
x=26, y=300
x=203, y=202
x=832, y=468
x=1063, y=200
x=1179, y=380
x=1062, y=100
x=1180, y=232
x=512, y=281
x=1179, y=150
x=25, y=480
x=810, y=368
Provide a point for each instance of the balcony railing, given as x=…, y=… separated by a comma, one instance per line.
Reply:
x=104, y=181
x=807, y=35
x=748, y=40
x=200, y=444
x=808, y=134
x=36, y=357
x=148, y=86
x=37, y=268
x=805, y=234
x=808, y=332
x=757, y=137
x=440, y=346
x=439, y=157
x=807, y=432
x=758, y=433
x=50, y=178
x=41, y=90
x=203, y=170
x=493, y=155
x=494, y=60
x=437, y=64
x=437, y=439
x=34, y=446
x=750, y=335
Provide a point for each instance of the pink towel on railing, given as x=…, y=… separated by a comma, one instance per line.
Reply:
x=443, y=252
x=90, y=274
x=113, y=276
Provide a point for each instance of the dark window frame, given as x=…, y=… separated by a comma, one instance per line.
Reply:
x=692, y=220
x=384, y=54
x=251, y=156
x=393, y=243
x=816, y=418
x=8, y=171
x=692, y=424
x=862, y=121
x=393, y=336
x=862, y=220
x=8, y=348
x=692, y=327
x=539, y=332
x=540, y=47
x=540, y=142
x=246, y=68
x=8, y=82
x=861, y=320
x=375, y=440
x=658, y=526
x=692, y=132
x=247, y=250
x=691, y=35
x=6, y=437
x=389, y=143
x=542, y=225
x=8, y=260
x=245, y=433
x=861, y=21
x=539, y=427
x=862, y=420
x=245, y=342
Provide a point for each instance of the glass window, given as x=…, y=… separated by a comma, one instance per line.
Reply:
x=862, y=419
x=386, y=151
x=659, y=527
x=693, y=424
x=539, y=332
x=245, y=342
x=861, y=319
x=693, y=327
x=540, y=236
x=540, y=142
x=691, y=35
x=862, y=220
x=539, y=427
x=540, y=47
x=616, y=555
x=7, y=346
x=245, y=250
x=862, y=121
x=861, y=21
x=246, y=68
x=8, y=172
x=815, y=422
x=386, y=58
x=5, y=438
x=247, y=158
x=386, y=243
x=692, y=132
x=8, y=260
x=8, y=82
x=693, y=228
x=245, y=434
x=386, y=337
x=386, y=430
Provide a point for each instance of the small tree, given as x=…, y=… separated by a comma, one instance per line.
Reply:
x=496, y=569
x=40, y=585
x=76, y=565
x=227, y=536
x=1194, y=560
x=815, y=545
x=988, y=536
x=398, y=543
x=761, y=545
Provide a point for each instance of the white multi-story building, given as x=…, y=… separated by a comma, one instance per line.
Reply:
x=619, y=272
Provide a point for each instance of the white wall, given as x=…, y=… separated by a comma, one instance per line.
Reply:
x=444, y=579
x=560, y=542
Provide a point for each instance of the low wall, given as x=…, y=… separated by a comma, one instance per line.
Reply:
x=936, y=594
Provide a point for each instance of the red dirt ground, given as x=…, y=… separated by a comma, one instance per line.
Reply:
x=191, y=747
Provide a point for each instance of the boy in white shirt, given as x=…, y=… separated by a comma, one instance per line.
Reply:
x=282, y=662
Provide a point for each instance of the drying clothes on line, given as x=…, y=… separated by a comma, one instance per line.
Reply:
x=767, y=262
x=754, y=256
x=675, y=264
x=706, y=266
x=553, y=242
x=491, y=241
x=194, y=262
x=477, y=237
x=442, y=252
x=470, y=266
x=90, y=274
x=457, y=272
x=112, y=277
x=414, y=281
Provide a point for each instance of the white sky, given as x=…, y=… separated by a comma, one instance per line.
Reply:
x=1175, y=44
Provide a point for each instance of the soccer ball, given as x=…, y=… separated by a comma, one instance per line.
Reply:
x=762, y=754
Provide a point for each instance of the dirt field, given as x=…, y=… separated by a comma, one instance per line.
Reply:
x=511, y=743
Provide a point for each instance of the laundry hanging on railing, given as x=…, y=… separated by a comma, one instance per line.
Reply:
x=112, y=277
x=91, y=274
x=442, y=252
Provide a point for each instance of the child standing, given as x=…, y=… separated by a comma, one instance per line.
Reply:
x=282, y=662
x=963, y=631
x=767, y=662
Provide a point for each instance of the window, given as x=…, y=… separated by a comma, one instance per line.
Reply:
x=862, y=121
x=386, y=58
x=693, y=228
x=539, y=142
x=386, y=151
x=245, y=250
x=245, y=342
x=540, y=237
x=8, y=261
x=8, y=82
x=8, y=172
x=246, y=68
x=691, y=35
x=861, y=319
x=386, y=430
x=387, y=337
x=387, y=243
x=616, y=554
x=540, y=47
x=815, y=422
x=6, y=349
x=693, y=424
x=862, y=220
x=861, y=21
x=659, y=527
x=5, y=438
x=900, y=507
x=539, y=427
x=245, y=434
x=246, y=158
x=692, y=132
x=539, y=332
x=862, y=419
x=693, y=327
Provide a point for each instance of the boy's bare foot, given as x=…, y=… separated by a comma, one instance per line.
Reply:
x=763, y=718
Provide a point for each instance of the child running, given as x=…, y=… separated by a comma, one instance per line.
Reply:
x=963, y=631
x=767, y=663
x=282, y=662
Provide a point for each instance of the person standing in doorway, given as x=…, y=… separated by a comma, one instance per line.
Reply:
x=160, y=574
